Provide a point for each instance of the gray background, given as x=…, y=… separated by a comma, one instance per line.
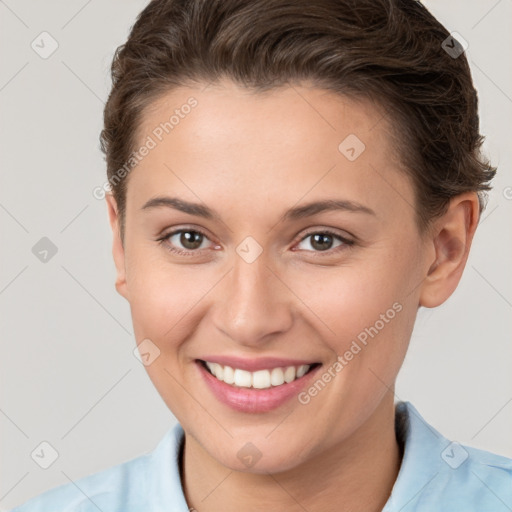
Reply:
x=68, y=374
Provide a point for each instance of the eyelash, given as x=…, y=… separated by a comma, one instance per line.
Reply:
x=347, y=244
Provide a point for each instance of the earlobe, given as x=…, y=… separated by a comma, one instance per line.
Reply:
x=451, y=241
x=117, y=246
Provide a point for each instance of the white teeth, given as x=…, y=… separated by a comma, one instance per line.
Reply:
x=302, y=370
x=289, y=374
x=277, y=377
x=216, y=370
x=219, y=371
x=229, y=375
x=243, y=378
x=261, y=379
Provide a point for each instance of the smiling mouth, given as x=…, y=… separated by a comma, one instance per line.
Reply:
x=260, y=379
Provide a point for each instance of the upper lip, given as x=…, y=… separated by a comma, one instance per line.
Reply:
x=252, y=365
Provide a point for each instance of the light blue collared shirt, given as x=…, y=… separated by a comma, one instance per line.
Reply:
x=436, y=475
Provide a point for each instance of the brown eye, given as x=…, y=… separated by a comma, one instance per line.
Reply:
x=190, y=239
x=323, y=241
x=184, y=241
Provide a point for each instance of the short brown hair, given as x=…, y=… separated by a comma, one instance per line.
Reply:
x=389, y=51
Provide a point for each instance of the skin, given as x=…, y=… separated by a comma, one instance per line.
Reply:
x=250, y=157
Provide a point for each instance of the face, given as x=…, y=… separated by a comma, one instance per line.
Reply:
x=227, y=261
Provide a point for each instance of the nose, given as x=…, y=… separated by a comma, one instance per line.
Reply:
x=254, y=305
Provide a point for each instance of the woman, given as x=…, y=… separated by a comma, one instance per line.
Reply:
x=288, y=183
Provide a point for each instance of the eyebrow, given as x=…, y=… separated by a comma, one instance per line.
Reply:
x=298, y=212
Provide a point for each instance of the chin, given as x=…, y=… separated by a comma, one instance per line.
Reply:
x=263, y=466
x=260, y=456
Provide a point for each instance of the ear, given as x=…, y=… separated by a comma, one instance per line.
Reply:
x=117, y=245
x=450, y=241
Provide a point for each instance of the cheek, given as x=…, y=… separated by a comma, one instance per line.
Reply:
x=364, y=308
x=166, y=300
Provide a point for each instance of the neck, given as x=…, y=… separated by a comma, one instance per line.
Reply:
x=357, y=474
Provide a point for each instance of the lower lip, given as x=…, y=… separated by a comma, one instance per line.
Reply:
x=254, y=400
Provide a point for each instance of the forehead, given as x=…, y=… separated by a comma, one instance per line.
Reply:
x=289, y=115
x=278, y=146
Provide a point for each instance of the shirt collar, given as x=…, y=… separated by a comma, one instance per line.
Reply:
x=163, y=476
x=421, y=462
